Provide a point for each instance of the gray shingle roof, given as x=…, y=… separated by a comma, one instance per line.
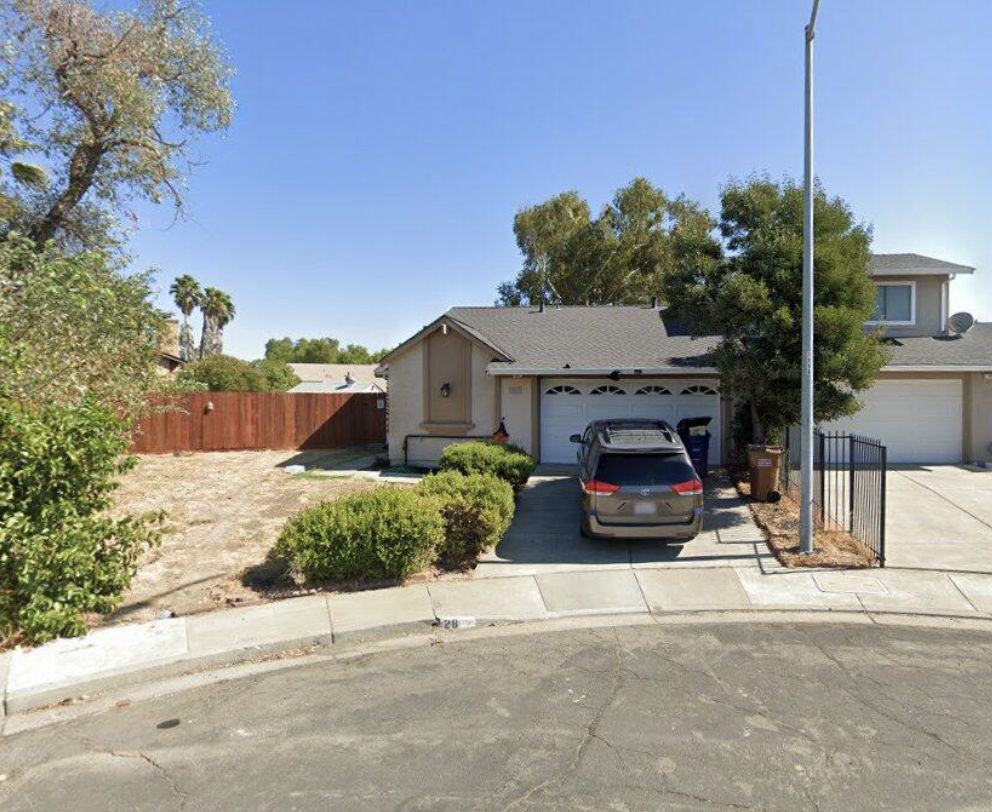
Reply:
x=585, y=337
x=608, y=338
x=974, y=348
x=896, y=264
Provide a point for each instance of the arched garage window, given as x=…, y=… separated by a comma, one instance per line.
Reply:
x=607, y=390
x=563, y=390
x=652, y=390
x=699, y=390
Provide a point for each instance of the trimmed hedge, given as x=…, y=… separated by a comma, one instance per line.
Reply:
x=386, y=533
x=477, y=509
x=509, y=464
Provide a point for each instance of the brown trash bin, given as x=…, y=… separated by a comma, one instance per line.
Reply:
x=764, y=462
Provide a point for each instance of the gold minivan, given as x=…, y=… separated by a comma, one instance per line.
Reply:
x=637, y=481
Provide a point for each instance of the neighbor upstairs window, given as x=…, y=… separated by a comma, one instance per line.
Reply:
x=895, y=303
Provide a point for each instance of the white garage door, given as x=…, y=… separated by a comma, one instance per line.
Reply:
x=917, y=420
x=568, y=406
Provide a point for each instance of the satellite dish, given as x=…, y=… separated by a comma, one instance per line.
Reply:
x=961, y=323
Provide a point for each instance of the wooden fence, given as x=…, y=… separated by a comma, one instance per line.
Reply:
x=239, y=421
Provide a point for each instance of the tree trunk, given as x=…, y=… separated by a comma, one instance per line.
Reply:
x=212, y=339
x=187, y=349
x=206, y=337
x=82, y=169
x=757, y=426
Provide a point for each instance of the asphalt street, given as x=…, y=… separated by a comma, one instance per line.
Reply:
x=696, y=717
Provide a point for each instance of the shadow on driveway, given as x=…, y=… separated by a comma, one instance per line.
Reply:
x=545, y=536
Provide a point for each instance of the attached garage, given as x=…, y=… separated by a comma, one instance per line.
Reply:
x=568, y=405
x=919, y=420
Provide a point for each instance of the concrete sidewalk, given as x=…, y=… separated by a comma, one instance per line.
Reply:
x=123, y=655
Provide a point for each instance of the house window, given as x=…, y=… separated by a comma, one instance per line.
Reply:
x=607, y=390
x=895, y=303
x=563, y=390
x=652, y=390
x=699, y=390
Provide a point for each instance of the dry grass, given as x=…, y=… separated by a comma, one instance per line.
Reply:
x=225, y=511
x=780, y=521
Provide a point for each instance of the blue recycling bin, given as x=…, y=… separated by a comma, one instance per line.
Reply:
x=696, y=440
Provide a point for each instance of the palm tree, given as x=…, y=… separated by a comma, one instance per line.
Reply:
x=187, y=294
x=218, y=311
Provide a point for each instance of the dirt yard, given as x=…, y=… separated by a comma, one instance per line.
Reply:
x=780, y=520
x=225, y=511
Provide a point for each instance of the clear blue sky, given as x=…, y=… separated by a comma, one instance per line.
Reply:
x=380, y=149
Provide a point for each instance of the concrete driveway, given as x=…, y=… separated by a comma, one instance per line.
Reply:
x=545, y=537
x=939, y=517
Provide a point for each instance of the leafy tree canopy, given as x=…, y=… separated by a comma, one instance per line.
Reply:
x=753, y=299
x=224, y=373
x=278, y=374
x=619, y=257
x=101, y=107
x=72, y=326
x=78, y=353
x=319, y=351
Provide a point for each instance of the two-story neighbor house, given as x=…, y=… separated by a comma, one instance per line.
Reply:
x=545, y=372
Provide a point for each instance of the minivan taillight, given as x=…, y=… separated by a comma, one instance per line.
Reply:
x=692, y=486
x=595, y=486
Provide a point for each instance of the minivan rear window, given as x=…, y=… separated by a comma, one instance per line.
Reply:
x=644, y=469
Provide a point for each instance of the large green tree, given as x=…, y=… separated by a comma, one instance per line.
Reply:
x=224, y=373
x=752, y=298
x=109, y=104
x=619, y=257
x=319, y=351
x=78, y=354
x=75, y=325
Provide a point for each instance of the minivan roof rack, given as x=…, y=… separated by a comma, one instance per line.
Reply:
x=643, y=434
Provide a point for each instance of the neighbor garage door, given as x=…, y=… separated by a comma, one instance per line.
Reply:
x=568, y=406
x=918, y=420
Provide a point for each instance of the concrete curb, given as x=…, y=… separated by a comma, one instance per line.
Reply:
x=123, y=656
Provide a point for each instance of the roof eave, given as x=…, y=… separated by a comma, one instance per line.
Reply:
x=937, y=368
x=502, y=369
x=446, y=319
x=931, y=271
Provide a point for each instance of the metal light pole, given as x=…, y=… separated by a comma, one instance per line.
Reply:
x=806, y=431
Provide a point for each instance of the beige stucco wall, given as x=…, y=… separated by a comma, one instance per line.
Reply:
x=407, y=406
x=518, y=411
x=405, y=398
x=978, y=418
x=929, y=308
x=484, y=418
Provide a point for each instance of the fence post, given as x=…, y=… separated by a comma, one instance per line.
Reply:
x=784, y=470
x=850, y=483
x=881, y=529
x=823, y=478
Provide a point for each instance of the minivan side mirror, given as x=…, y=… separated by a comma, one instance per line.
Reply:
x=575, y=438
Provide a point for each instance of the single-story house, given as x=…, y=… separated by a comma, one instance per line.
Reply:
x=337, y=378
x=545, y=372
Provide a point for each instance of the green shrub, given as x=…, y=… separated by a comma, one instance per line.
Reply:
x=386, y=533
x=223, y=373
x=60, y=554
x=509, y=464
x=477, y=509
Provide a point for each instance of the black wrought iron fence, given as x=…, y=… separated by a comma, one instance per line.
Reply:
x=848, y=484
